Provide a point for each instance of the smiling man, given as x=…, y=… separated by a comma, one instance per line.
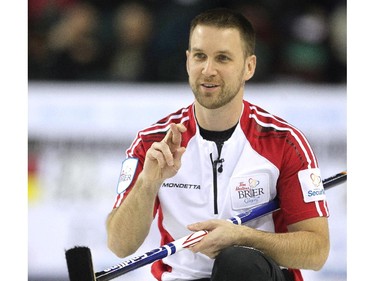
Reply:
x=215, y=158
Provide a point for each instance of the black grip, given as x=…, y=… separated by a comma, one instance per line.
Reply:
x=335, y=180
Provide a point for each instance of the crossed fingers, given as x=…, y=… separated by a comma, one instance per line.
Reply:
x=166, y=151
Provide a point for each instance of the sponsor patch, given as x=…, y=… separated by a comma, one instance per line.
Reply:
x=312, y=185
x=249, y=191
x=128, y=169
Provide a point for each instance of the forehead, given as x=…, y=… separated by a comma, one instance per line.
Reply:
x=212, y=38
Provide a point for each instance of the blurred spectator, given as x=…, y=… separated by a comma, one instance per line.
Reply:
x=42, y=15
x=145, y=41
x=76, y=45
x=338, y=43
x=39, y=10
x=171, y=38
x=38, y=56
x=132, y=25
x=266, y=46
x=305, y=56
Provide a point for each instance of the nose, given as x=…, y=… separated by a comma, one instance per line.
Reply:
x=209, y=68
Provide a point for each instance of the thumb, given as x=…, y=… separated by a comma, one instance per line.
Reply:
x=179, y=152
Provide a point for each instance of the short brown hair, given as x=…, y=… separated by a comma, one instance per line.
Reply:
x=226, y=18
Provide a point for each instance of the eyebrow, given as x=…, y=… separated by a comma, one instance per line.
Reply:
x=227, y=52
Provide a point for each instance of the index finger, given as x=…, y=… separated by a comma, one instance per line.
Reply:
x=174, y=136
x=203, y=225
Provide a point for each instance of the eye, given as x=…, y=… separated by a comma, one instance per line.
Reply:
x=223, y=58
x=199, y=56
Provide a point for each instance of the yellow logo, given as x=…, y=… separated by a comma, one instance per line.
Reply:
x=316, y=180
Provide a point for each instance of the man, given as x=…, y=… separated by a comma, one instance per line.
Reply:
x=216, y=158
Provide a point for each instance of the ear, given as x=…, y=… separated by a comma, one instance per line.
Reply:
x=251, y=62
x=187, y=62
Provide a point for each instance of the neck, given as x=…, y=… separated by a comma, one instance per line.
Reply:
x=219, y=119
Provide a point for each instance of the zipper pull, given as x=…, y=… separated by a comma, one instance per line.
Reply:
x=220, y=169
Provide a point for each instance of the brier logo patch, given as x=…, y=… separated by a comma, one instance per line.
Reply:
x=128, y=169
x=249, y=191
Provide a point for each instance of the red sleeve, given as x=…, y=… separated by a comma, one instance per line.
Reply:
x=299, y=163
x=137, y=150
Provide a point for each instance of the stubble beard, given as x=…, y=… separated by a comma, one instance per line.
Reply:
x=216, y=100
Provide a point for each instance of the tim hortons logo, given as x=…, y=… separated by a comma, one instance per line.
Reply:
x=249, y=189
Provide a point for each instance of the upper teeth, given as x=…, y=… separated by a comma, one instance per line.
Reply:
x=209, y=85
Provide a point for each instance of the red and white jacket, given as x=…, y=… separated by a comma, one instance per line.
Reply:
x=265, y=157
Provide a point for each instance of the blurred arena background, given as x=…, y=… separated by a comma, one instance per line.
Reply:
x=101, y=70
x=145, y=41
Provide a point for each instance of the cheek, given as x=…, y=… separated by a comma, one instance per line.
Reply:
x=232, y=74
x=193, y=69
x=189, y=66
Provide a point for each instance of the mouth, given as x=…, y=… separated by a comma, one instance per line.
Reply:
x=209, y=85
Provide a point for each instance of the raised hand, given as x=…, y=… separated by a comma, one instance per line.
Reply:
x=163, y=159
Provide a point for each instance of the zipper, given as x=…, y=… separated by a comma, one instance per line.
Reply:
x=215, y=169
